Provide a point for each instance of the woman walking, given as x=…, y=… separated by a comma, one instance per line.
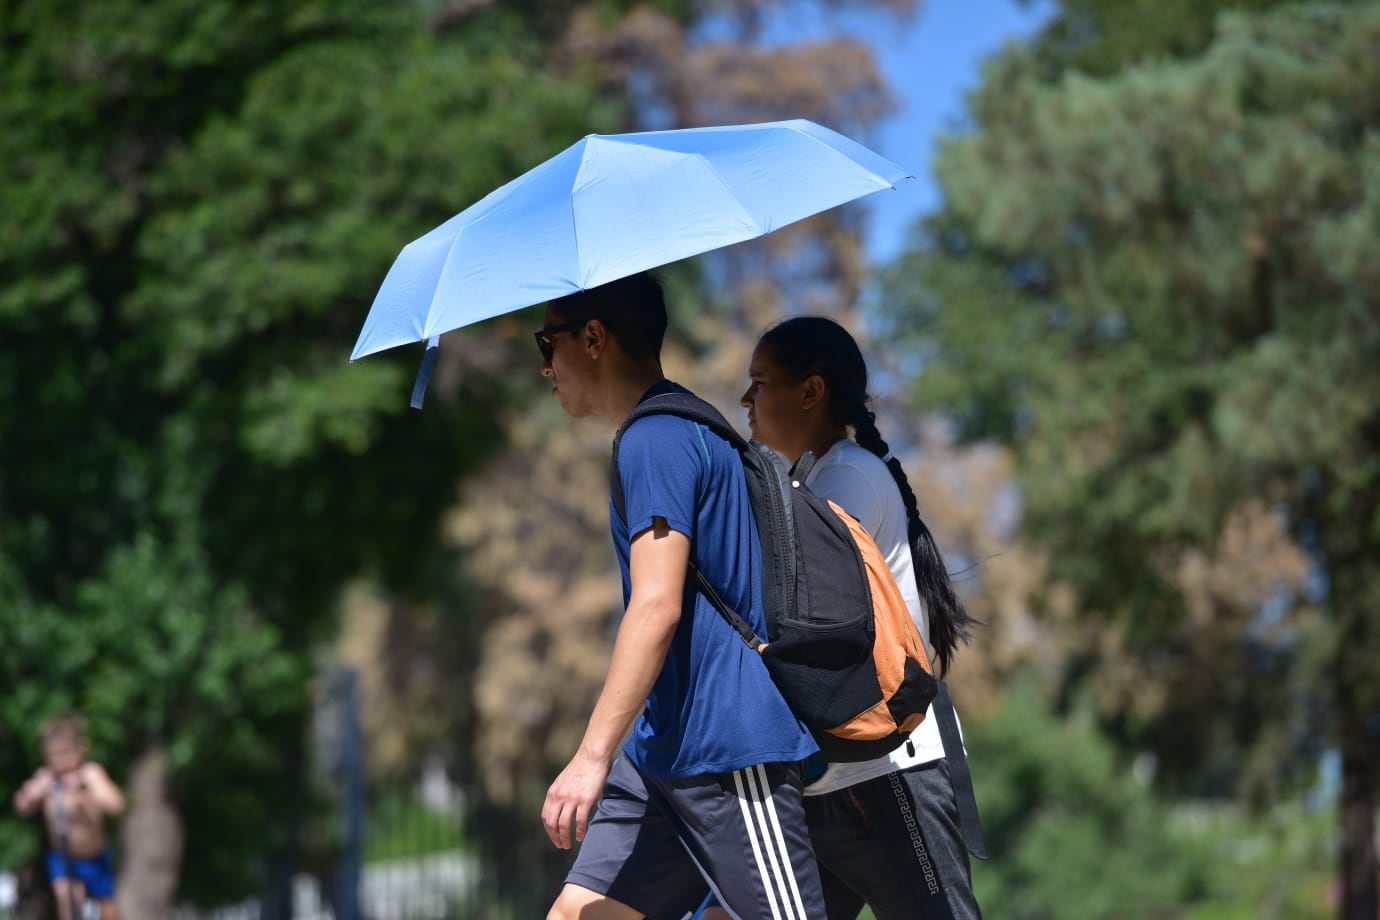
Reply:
x=886, y=832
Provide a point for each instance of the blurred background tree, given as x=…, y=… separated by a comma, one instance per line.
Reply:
x=200, y=199
x=1154, y=277
x=1130, y=364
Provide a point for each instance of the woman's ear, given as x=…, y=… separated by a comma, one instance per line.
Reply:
x=813, y=392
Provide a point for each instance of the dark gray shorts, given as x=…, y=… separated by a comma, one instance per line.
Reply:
x=895, y=843
x=659, y=847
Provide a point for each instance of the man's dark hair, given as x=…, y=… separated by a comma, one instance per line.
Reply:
x=633, y=309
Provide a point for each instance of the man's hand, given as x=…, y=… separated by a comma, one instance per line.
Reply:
x=572, y=798
x=657, y=569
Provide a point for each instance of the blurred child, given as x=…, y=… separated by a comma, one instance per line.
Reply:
x=76, y=795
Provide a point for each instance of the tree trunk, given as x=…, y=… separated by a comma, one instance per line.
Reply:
x=1360, y=774
x=151, y=840
x=35, y=893
x=1357, y=703
x=1348, y=546
x=276, y=901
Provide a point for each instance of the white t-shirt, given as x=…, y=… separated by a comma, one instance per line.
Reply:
x=856, y=480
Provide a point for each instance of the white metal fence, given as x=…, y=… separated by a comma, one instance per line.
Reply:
x=435, y=887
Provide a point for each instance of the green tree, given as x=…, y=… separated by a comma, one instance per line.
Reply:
x=1101, y=37
x=1054, y=793
x=1077, y=830
x=1159, y=285
x=200, y=200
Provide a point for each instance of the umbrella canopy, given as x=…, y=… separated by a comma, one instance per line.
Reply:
x=610, y=206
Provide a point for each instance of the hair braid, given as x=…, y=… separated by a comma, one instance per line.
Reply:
x=949, y=619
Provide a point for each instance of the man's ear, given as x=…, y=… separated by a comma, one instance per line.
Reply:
x=594, y=337
x=813, y=392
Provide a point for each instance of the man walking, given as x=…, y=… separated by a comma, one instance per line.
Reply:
x=706, y=791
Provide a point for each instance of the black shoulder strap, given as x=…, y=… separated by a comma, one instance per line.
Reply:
x=687, y=406
x=684, y=405
x=750, y=638
x=959, y=777
x=804, y=464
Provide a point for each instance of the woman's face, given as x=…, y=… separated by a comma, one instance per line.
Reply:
x=776, y=416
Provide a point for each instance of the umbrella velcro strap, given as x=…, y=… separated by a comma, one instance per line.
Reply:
x=424, y=372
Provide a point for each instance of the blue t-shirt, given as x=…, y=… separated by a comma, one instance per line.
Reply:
x=714, y=707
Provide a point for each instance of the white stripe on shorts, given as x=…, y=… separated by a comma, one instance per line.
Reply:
x=774, y=824
x=750, y=822
x=764, y=832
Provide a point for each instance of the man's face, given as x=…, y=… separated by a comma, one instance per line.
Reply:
x=569, y=367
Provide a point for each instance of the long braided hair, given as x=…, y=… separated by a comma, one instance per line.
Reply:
x=808, y=345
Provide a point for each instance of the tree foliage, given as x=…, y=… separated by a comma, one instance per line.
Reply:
x=1077, y=830
x=1159, y=285
x=200, y=200
x=1101, y=37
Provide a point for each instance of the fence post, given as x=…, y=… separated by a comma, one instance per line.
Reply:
x=347, y=894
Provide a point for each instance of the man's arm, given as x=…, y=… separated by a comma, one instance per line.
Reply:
x=30, y=795
x=660, y=557
x=102, y=790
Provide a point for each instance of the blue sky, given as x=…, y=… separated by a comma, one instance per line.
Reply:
x=931, y=64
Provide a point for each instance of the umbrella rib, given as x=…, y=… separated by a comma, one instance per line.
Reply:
x=575, y=238
x=728, y=188
x=633, y=140
x=445, y=264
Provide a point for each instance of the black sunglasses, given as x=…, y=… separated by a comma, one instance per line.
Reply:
x=543, y=336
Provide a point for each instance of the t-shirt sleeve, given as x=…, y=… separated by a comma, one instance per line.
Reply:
x=661, y=461
x=852, y=490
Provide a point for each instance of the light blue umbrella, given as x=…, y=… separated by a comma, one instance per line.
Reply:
x=610, y=206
